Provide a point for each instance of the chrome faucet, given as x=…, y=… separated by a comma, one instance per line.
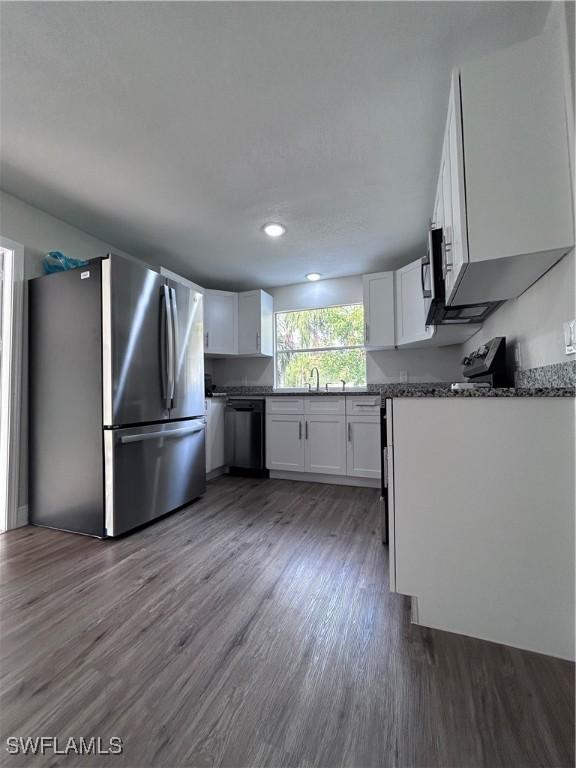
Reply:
x=343, y=385
x=317, y=378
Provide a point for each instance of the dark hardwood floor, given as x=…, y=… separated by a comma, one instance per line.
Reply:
x=255, y=628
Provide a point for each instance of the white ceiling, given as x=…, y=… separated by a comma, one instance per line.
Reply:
x=175, y=130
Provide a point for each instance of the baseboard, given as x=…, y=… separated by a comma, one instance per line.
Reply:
x=413, y=610
x=216, y=473
x=311, y=477
x=21, y=516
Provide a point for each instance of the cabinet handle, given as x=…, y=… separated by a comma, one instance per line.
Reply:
x=366, y=331
x=207, y=339
x=299, y=430
x=306, y=431
x=258, y=341
x=349, y=432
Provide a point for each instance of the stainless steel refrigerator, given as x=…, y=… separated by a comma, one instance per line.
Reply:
x=116, y=370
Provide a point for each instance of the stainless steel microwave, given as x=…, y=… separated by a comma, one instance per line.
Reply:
x=433, y=276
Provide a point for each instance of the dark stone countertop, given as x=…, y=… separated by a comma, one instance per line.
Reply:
x=408, y=390
x=393, y=392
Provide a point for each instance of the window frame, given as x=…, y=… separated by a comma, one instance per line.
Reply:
x=311, y=349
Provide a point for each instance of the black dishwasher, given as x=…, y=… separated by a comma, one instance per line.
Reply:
x=245, y=436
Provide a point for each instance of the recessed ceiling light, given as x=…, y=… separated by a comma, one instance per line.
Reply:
x=313, y=276
x=273, y=230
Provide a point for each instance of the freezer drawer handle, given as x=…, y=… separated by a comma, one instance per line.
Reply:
x=157, y=435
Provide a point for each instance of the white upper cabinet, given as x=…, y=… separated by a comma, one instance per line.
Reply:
x=379, y=332
x=504, y=195
x=255, y=324
x=411, y=325
x=220, y=323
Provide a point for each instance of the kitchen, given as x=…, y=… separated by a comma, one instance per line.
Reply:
x=328, y=479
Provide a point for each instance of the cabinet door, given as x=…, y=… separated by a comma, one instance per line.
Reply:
x=325, y=439
x=285, y=442
x=220, y=328
x=455, y=238
x=209, y=438
x=410, y=309
x=255, y=320
x=363, y=446
x=379, y=330
x=217, y=410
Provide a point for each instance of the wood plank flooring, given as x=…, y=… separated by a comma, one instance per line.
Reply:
x=255, y=628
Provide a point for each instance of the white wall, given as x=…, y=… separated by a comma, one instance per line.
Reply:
x=421, y=365
x=39, y=233
x=532, y=323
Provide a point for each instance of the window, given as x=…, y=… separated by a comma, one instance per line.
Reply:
x=330, y=339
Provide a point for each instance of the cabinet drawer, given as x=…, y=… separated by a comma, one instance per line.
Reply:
x=363, y=406
x=329, y=404
x=284, y=405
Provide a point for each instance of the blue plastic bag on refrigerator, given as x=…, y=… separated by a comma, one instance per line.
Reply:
x=55, y=261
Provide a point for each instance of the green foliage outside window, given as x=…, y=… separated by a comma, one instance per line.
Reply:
x=330, y=339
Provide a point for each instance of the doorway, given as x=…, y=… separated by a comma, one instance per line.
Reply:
x=11, y=323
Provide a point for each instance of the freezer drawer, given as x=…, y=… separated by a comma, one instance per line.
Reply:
x=152, y=470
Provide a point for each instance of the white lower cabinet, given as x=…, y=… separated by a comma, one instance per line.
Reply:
x=363, y=446
x=215, y=408
x=285, y=442
x=324, y=443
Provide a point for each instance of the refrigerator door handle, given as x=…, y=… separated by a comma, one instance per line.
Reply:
x=176, y=346
x=169, y=330
x=163, y=343
x=158, y=435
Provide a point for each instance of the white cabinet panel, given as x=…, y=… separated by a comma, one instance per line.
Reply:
x=215, y=408
x=364, y=405
x=220, y=323
x=328, y=404
x=483, y=518
x=379, y=310
x=411, y=325
x=255, y=324
x=285, y=442
x=363, y=446
x=325, y=444
x=285, y=404
x=455, y=240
